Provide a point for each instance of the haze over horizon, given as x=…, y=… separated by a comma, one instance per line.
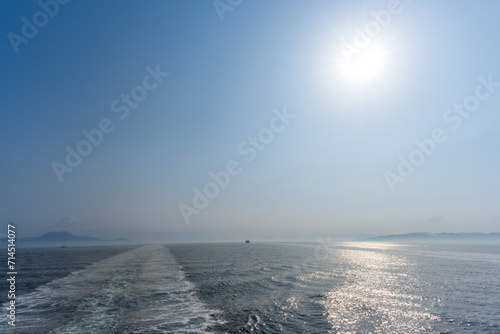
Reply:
x=180, y=121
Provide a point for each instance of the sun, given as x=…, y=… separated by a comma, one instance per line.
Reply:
x=364, y=67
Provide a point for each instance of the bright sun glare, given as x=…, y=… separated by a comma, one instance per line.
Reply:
x=363, y=67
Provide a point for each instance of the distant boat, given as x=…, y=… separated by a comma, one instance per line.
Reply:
x=247, y=241
x=64, y=246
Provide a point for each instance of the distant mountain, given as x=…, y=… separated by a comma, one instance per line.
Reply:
x=64, y=238
x=439, y=237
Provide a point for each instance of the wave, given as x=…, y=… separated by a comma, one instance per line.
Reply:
x=140, y=291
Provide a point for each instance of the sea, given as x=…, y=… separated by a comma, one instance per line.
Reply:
x=318, y=287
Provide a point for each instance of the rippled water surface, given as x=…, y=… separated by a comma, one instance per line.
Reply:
x=260, y=288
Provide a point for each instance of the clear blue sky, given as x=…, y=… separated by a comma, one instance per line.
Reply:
x=323, y=174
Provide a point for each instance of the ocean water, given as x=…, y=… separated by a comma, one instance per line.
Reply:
x=258, y=288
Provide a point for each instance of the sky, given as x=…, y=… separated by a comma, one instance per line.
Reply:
x=178, y=121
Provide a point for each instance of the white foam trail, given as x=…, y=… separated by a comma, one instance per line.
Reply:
x=140, y=291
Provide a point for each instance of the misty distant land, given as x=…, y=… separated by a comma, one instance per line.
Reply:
x=439, y=237
x=58, y=239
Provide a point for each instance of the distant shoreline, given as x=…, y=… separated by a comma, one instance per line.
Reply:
x=438, y=237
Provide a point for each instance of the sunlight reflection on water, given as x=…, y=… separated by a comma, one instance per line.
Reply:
x=378, y=296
